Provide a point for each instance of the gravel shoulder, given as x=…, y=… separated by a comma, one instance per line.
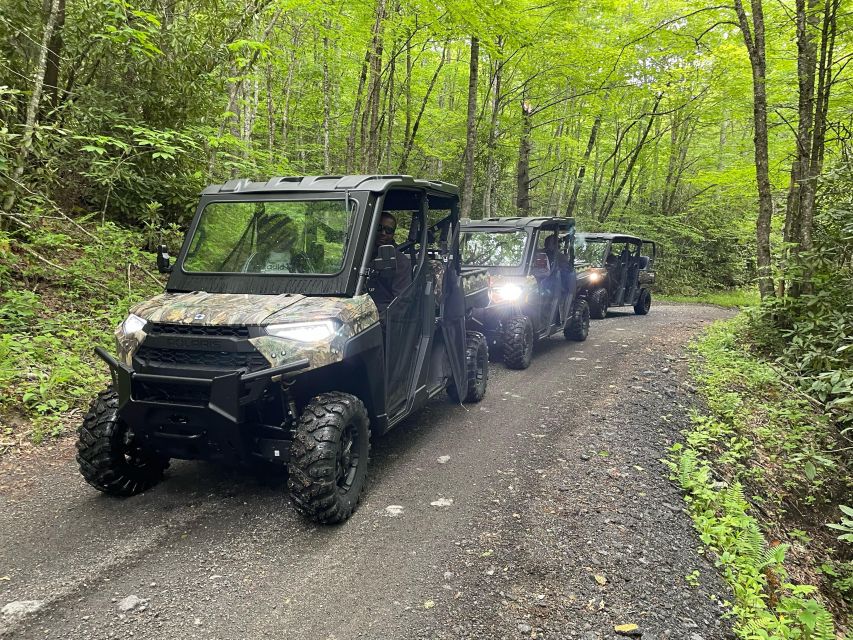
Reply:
x=544, y=511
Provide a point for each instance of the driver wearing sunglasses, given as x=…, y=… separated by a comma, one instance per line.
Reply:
x=384, y=287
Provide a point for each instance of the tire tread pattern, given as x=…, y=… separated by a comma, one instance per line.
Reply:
x=518, y=342
x=311, y=473
x=102, y=464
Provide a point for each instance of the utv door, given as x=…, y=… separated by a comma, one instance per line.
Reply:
x=406, y=336
x=545, y=269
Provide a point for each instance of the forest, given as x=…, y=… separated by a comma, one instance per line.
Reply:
x=724, y=131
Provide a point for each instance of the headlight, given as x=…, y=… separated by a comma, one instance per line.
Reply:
x=132, y=324
x=304, y=331
x=594, y=276
x=506, y=293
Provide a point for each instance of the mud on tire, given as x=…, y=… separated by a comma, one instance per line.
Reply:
x=598, y=303
x=329, y=457
x=476, y=368
x=109, y=457
x=577, y=324
x=518, y=342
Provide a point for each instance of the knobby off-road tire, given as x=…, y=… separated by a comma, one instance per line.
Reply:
x=518, y=342
x=598, y=303
x=110, y=458
x=577, y=325
x=329, y=457
x=476, y=368
x=644, y=303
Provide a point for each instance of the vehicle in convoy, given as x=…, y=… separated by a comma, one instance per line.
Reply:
x=267, y=346
x=532, y=283
x=615, y=270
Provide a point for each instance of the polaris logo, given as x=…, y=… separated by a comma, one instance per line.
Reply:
x=199, y=316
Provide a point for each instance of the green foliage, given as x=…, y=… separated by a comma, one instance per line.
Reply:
x=764, y=442
x=812, y=333
x=846, y=524
x=47, y=333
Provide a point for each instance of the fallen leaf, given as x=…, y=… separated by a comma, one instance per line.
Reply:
x=627, y=630
x=429, y=604
x=600, y=580
x=486, y=554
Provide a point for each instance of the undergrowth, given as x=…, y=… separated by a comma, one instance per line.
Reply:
x=53, y=315
x=733, y=298
x=763, y=474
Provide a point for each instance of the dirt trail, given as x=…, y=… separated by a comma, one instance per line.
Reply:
x=555, y=483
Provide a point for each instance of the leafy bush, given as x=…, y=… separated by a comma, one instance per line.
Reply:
x=759, y=440
x=811, y=334
x=47, y=332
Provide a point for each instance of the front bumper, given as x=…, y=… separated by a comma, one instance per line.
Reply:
x=200, y=418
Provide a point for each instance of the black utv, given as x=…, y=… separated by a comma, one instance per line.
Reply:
x=268, y=345
x=615, y=270
x=532, y=283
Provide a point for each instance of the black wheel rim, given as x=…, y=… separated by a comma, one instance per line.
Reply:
x=129, y=448
x=347, y=462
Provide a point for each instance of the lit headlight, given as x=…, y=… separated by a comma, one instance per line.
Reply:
x=506, y=293
x=131, y=324
x=304, y=331
x=594, y=276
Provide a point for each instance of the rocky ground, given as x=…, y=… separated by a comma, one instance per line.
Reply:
x=543, y=512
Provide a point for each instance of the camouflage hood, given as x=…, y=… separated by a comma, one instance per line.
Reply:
x=346, y=318
x=213, y=308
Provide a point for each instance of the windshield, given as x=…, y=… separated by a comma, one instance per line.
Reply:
x=590, y=251
x=287, y=237
x=493, y=249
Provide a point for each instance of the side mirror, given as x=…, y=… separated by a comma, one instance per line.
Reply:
x=163, y=259
x=386, y=258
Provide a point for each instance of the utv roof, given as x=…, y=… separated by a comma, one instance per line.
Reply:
x=516, y=222
x=609, y=236
x=309, y=184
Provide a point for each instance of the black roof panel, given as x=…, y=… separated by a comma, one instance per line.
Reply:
x=515, y=222
x=314, y=184
x=609, y=236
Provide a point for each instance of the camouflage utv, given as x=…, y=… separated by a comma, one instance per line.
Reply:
x=267, y=345
x=532, y=283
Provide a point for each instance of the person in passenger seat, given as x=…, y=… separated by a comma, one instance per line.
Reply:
x=383, y=287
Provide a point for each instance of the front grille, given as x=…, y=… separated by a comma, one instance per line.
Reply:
x=222, y=360
x=220, y=331
x=171, y=392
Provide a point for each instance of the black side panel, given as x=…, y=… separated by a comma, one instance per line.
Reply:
x=453, y=314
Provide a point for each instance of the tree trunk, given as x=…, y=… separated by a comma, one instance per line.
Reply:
x=490, y=189
x=753, y=37
x=327, y=165
x=522, y=199
x=237, y=87
x=471, y=129
x=631, y=162
x=270, y=114
x=573, y=200
x=356, y=113
x=54, y=58
x=800, y=191
x=32, y=110
x=410, y=141
x=371, y=121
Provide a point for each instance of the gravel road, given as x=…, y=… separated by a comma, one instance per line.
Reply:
x=544, y=511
